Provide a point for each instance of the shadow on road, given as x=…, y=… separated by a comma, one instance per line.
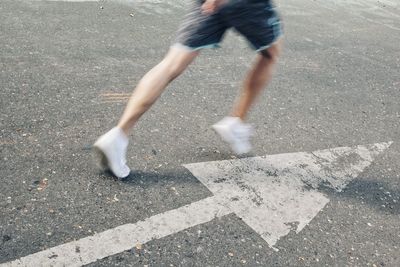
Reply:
x=377, y=194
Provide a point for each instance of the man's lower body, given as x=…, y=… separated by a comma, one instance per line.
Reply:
x=256, y=20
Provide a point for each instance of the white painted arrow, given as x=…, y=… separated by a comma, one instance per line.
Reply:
x=271, y=194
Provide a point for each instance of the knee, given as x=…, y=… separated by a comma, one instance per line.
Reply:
x=175, y=69
x=272, y=53
x=274, y=56
x=171, y=68
x=270, y=56
x=176, y=61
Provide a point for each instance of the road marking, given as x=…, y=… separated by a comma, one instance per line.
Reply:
x=125, y=237
x=115, y=97
x=272, y=194
x=73, y=0
x=276, y=192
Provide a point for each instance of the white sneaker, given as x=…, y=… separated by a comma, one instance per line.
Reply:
x=233, y=131
x=110, y=151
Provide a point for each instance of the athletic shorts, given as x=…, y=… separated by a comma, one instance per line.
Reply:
x=257, y=20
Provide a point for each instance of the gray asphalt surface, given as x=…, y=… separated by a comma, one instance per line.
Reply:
x=337, y=84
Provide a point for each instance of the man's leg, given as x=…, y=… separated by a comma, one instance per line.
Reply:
x=256, y=80
x=153, y=84
x=232, y=129
x=111, y=147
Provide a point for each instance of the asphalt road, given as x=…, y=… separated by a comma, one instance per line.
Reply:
x=66, y=71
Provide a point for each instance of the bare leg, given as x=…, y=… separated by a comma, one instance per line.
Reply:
x=110, y=149
x=153, y=84
x=256, y=80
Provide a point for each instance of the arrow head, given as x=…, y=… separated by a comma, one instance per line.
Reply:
x=275, y=193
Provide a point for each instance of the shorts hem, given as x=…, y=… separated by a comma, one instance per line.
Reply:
x=192, y=49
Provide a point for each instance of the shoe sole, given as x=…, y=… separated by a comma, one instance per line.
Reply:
x=100, y=159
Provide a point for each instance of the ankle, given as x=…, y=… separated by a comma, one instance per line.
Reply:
x=124, y=129
x=237, y=116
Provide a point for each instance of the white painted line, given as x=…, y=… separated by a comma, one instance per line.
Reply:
x=125, y=237
x=70, y=0
x=272, y=194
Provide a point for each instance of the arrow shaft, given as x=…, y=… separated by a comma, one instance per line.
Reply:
x=125, y=237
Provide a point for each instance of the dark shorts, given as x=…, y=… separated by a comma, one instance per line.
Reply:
x=257, y=20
